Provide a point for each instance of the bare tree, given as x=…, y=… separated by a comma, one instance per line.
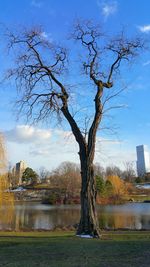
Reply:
x=43, y=174
x=39, y=75
x=67, y=177
x=113, y=170
x=99, y=170
x=129, y=172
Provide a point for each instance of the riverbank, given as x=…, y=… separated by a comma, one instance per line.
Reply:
x=55, y=196
x=64, y=249
x=124, y=235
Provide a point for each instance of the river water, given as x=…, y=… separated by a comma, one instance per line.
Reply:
x=34, y=216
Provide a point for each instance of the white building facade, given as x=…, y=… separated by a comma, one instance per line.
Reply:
x=143, y=160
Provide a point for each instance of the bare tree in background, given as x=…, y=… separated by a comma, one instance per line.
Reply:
x=39, y=75
x=67, y=177
x=99, y=170
x=43, y=174
x=129, y=172
x=113, y=170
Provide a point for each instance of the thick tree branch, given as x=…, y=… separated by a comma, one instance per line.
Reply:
x=75, y=129
x=96, y=121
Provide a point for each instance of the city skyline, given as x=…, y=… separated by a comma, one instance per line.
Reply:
x=46, y=145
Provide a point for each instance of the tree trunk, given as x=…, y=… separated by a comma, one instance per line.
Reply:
x=88, y=222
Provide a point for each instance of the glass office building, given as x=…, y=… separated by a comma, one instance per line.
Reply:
x=143, y=160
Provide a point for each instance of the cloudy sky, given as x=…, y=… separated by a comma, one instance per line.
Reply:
x=46, y=145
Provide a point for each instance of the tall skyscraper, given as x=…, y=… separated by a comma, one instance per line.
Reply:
x=143, y=160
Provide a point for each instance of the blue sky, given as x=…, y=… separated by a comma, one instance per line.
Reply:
x=42, y=145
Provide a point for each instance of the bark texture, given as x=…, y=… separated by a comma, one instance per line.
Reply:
x=88, y=224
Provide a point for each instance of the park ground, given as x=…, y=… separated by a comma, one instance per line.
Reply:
x=64, y=249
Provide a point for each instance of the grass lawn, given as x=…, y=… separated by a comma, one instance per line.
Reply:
x=141, y=198
x=63, y=249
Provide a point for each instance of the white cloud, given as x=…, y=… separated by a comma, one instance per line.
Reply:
x=44, y=35
x=27, y=134
x=36, y=3
x=114, y=152
x=67, y=136
x=146, y=63
x=108, y=8
x=109, y=141
x=50, y=147
x=40, y=147
x=48, y=36
x=145, y=28
x=40, y=152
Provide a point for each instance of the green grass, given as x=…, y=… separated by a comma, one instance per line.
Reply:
x=141, y=198
x=64, y=249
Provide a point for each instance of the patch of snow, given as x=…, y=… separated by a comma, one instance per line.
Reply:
x=18, y=189
x=144, y=186
x=85, y=236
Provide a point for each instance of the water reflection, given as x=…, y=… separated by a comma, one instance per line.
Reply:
x=128, y=216
x=33, y=216
x=6, y=204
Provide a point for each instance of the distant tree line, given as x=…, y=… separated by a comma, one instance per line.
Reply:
x=112, y=183
x=68, y=173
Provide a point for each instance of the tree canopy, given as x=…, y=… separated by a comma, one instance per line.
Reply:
x=29, y=176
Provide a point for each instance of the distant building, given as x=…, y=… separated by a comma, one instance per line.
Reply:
x=143, y=160
x=19, y=169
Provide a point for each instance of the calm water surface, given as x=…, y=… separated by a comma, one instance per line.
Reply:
x=33, y=216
